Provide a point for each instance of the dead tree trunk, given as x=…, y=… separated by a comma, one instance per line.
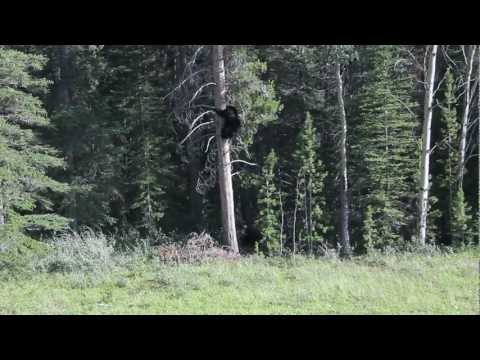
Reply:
x=344, y=211
x=61, y=99
x=224, y=163
x=192, y=150
x=478, y=135
x=426, y=141
x=465, y=117
x=65, y=84
x=2, y=213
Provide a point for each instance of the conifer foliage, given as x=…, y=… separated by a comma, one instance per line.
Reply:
x=385, y=148
x=310, y=175
x=26, y=204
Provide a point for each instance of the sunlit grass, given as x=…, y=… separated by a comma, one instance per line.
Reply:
x=393, y=284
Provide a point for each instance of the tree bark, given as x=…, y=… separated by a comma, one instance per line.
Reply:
x=282, y=222
x=62, y=98
x=294, y=235
x=2, y=213
x=426, y=141
x=344, y=211
x=63, y=84
x=465, y=117
x=478, y=137
x=224, y=163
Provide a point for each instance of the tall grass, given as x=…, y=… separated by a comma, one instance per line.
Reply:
x=399, y=283
x=87, y=252
x=91, y=273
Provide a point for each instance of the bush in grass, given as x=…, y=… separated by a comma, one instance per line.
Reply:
x=17, y=251
x=73, y=252
x=196, y=249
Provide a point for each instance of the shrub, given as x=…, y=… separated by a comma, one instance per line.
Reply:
x=17, y=251
x=196, y=249
x=73, y=252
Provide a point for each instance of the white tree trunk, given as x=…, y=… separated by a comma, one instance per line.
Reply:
x=344, y=211
x=224, y=164
x=294, y=235
x=2, y=213
x=465, y=117
x=282, y=223
x=478, y=139
x=426, y=140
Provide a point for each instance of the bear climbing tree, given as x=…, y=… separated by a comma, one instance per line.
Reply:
x=231, y=122
x=223, y=147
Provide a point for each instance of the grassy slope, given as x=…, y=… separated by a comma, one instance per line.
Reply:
x=447, y=284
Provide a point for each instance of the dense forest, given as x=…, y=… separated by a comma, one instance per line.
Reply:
x=340, y=148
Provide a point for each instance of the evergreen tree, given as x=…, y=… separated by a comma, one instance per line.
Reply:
x=311, y=199
x=384, y=148
x=370, y=234
x=82, y=131
x=456, y=217
x=138, y=119
x=461, y=220
x=269, y=220
x=26, y=188
x=448, y=152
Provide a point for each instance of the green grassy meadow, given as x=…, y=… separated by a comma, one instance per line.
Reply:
x=383, y=284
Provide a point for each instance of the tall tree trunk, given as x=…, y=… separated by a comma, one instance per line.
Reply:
x=282, y=223
x=465, y=117
x=294, y=232
x=478, y=137
x=344, y=211
x=426, y=140
x=62, y=98
x=2, y=213
x=63, y=84
x=224, y=163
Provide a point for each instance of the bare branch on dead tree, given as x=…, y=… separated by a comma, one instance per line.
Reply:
x=200, y=117
x=183, y=82
x=195, y=129
x=208, y=143
x=199, y=91
x=243, y=162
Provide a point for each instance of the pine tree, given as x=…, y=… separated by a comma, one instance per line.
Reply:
x=461, y=220
x=369, y=231
x=137, y=118
x=269, y=220
x=456, y=212
x=384, y=147
x=448, y=151
x=26, y=189
x=79, y=110
x=149, y=162
x=311, y=200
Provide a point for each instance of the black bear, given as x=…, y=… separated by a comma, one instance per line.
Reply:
x=250, y=238
x=231, y=121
